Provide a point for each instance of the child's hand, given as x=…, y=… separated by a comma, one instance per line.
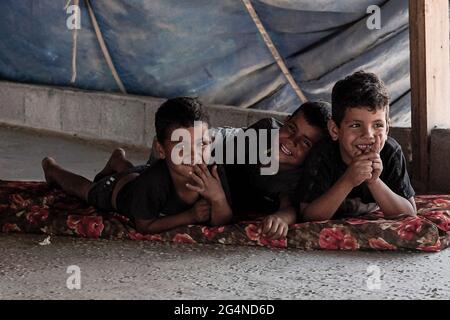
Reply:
x=207, y=185
x=360, y=169
x=273, y=227
x=377, y=163
x=201, y=211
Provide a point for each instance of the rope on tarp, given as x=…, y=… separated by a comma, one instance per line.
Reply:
x=273, y=50
x=101, y=42
x=104, y=48
x=74, y=44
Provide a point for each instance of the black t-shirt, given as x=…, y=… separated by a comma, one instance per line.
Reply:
x=153, y=195
x=324, y=166
x=252, y=192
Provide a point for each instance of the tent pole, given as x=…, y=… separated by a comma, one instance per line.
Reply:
x=103, y=46
x=273, y=50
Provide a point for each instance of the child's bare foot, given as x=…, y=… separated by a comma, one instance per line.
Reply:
x=110, y=168
x=48, y=164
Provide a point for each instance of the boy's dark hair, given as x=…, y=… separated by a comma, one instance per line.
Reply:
x=361, y=89
x=316, y=113
x=176, y=113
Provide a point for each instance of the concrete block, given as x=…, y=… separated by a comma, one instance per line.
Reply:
x=12, y=104
x=122, y=119
x=151, y=106
x=227, y=116
x=80, y=114
x=256, y=115
x=43, y=108
x=440, y=160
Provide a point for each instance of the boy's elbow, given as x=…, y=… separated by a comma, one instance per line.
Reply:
x=412, y=201
x=412, y=212
x=408, y=211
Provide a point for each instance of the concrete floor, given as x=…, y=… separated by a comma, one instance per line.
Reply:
x=144, y=270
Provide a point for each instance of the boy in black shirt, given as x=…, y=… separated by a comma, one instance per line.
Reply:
x=360, y=169
x=174, y=191
x=268, y=195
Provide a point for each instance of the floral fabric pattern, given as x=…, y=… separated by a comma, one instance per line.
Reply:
x=33, y=207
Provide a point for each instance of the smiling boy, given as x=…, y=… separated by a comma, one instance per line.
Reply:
x=168, y=194
x=268, y=196
x=360, y=169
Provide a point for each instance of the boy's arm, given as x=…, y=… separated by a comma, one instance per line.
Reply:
x=210, y=187
x=325, y=206
x=276, y=226
x=389, y=202
x=197, y=214
x=287, y=211
x=221, y=212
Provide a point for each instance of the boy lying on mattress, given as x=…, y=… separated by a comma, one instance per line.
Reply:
x=268, y=195
x=359, y=169
x=172, y=192
x=252, y=192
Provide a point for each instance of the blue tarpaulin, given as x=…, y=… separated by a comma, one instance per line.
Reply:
x=210, y=48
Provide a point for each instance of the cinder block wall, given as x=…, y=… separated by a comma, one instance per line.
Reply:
x=125, y=119
x=129, y=119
